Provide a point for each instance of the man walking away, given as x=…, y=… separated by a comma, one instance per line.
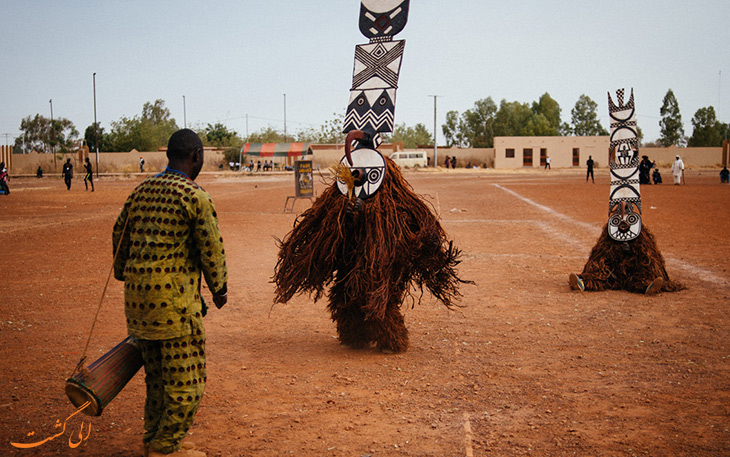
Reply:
x=169, y=236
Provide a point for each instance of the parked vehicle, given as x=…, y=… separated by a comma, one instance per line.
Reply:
x=410, y=159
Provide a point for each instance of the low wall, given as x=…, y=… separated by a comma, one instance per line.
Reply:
x=692, y=157
x=324, y=157
x=109, y=162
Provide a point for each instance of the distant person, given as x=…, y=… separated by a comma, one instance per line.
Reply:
x=4, y=189
x=68, y=173
x=644, y=170
x=141, y=164
x=453, y=162
x=428, y=161
x=89, y=178
x=258, y=165
x=724, y=175
x=547, y=163
x=446, y=162
x=589, y=169
x=39, y=172
x=656, y=176
x=677, y=170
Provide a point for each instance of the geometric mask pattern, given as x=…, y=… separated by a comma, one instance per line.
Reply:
x=377, y=65
x=371, y=111
x=624, y=206
x=371, y=168
x=382, y=18
x=371, y=107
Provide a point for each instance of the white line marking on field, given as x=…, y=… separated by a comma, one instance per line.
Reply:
x=469, y=450
x=547, y=209
x=703, y=273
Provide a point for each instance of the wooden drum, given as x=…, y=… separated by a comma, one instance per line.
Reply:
x=105, y=378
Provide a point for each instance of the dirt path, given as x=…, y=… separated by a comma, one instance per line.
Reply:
x=525, y=367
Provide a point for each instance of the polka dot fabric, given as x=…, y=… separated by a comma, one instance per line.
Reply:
x=175, y=378
x=172, y=236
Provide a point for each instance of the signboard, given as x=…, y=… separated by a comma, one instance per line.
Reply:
x=303, y=178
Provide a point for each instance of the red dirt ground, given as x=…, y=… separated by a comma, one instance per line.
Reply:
x=525, y=367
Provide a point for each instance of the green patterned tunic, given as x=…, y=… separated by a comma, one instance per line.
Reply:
x=171, y=237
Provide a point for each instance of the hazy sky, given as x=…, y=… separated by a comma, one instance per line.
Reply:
x=236, y=58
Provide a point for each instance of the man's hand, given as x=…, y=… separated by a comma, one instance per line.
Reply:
x=220, y=300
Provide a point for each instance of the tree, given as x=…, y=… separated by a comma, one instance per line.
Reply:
x=40, y=134
x=328, y=133
x=707, y=130
x=411, y=137
x=146, y=133
x=219, y=136
x=268, y=134
x=90, y=137
x=549, y=109
x=452, y=130
x=672, y=130
x=512, y=119
x=477, y=124
x=584, y=118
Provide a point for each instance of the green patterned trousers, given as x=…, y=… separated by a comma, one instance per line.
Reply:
x=175, y=378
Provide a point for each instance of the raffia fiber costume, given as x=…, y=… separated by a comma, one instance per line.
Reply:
x=371, y=252
x=632, y=267
x=625, y=256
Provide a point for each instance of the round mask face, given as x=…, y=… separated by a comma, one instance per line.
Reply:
x=368, y=167
x=626, y=227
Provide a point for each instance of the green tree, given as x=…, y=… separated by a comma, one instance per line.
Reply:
x=538, y=125
x=672, y=130
x=411, y=137
x=267, y=134
x=545, y=119
x=477, y=124
x=584, y=118
x=707, y=130
x=512, y=119
x=40, y=134
x=90, y=137
x=452, y=130
x=219, y=136
x=143, y=133
x=328, y=133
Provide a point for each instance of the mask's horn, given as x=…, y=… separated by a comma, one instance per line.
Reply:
x=358, y=135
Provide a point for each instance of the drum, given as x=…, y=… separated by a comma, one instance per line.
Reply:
x=105, y=378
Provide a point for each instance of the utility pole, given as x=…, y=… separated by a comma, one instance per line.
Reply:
x=185, y=114
x=53, y=131
x=284, y=118
x=435, y=147
x=96, y=138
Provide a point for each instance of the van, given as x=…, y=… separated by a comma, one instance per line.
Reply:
x=410, y=159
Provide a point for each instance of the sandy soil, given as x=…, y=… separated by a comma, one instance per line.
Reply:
x=525, y=367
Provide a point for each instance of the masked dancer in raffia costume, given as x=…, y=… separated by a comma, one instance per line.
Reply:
x=626, y=256
x=369, y=237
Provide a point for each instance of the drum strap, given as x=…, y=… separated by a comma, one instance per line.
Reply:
x=80, y=366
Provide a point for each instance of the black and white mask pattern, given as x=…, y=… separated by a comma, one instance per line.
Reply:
x=369, y=167
x=624, y=205
x=382, y=18
x=371, y=107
